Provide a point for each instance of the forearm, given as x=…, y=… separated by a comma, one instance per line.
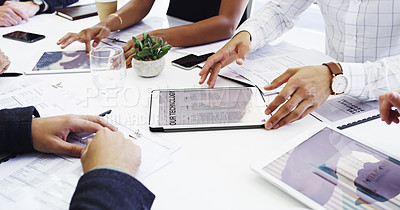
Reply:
x=15, y=129
x=202, y=32
x=110, y=189
x=131, y=13
x=370, y=79
x=272, y=20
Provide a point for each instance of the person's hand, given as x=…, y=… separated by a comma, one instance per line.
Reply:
x=236, y=49
x=95, y=33
x=4, y=62
x=128, y=50
x=111, y=149
x=49, y=134
x=307, y=88
x=13, y=12
x=386, y=102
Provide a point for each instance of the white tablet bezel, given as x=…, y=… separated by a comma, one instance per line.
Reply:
x=258, y=165
x=154, y=113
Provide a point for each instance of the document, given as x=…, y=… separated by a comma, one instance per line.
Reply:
x=346, y=111
x=266, y=64
x=48, y=181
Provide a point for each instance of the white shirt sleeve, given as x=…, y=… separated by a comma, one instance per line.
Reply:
x=272, y=20
x=370, y=79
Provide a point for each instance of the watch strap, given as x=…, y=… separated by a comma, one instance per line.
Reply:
x=335, y=68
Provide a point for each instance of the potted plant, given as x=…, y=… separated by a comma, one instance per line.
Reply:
x=148, y=55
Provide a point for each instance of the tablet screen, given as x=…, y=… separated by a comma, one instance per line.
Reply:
x=340, y=173
x=62, y=60
x=210, y=107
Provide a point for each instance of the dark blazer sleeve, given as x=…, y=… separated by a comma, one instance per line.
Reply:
x=15, y=129
x=110, y=189
x=57, y=4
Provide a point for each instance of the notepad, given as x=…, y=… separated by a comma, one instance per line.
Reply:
x=77, y=12
x=344, y=111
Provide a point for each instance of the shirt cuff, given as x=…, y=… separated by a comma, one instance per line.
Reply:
x=355, y=74
x=110, y=168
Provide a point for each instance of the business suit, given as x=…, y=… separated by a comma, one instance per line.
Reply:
x=97, y=189
x=52, y=4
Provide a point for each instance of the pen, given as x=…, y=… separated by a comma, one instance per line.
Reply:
x=115, y=39
x=105, y=113
x=11, y=74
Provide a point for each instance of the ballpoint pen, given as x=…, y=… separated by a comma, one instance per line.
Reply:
x=11, y=74
x=105, y=113
x=115, y=39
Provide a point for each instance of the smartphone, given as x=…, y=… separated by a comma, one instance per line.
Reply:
x=190, y=61
x=24, y=36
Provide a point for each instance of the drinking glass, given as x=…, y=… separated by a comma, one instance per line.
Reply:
x=108, y=67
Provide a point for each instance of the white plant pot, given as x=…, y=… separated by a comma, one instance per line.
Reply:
x=148, y=68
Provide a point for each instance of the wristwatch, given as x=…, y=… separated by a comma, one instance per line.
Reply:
x=339, y=82
x=40, y=3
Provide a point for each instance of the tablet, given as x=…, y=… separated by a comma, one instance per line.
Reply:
x=328, y=170
x=206, y=109
x=62, y=62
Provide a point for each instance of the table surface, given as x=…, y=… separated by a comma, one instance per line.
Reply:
x=211, y=170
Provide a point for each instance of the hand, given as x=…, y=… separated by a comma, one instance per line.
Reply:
x=386, y=102
x=13, y=12
x=307, y=87
x=128, y=50
x=49, y=134
x=112, y=149
x=236, y=49
x=4, y=62
x=95, y=33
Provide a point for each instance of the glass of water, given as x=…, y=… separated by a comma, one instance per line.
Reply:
x=108, y=67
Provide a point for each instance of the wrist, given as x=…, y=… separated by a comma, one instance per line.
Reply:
x=339, y=82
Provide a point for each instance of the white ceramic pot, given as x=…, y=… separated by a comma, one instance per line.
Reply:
x=148, y=68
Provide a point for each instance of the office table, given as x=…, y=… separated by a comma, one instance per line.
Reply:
x=211, y=170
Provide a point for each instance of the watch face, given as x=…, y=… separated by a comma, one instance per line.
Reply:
x=38, y=2
x=339, y=84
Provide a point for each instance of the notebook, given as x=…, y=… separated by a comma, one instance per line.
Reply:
x=77, y=12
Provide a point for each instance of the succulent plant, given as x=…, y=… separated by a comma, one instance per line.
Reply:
x=149, y=48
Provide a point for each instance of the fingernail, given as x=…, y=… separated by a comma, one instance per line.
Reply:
x=239, y=60
x=94, y=44
x=268, y=111
x=268, y=126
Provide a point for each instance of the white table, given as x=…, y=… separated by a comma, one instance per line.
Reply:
x=211, y=170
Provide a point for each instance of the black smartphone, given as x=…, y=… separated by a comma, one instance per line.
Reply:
x=24, y=36
x=190, y=61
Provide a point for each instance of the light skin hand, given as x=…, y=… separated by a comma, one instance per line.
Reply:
x=111, y=149
x=49, y=134
x=307, y=88
x=4, y=62
x=13, y=12
x=236, y=49
x=95, y=33
x=386, y=103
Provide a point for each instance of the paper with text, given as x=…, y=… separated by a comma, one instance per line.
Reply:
x=47, y=181
x=266, y=64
